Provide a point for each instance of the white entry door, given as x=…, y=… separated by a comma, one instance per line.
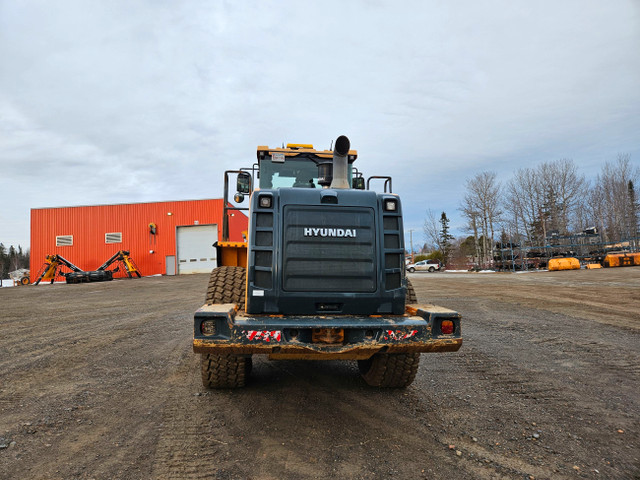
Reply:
x=196, y=253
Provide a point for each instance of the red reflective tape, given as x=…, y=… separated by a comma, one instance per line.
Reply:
x=399, y=335
x=264, y=335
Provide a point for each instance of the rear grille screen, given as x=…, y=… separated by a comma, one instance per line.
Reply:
x=329, y=250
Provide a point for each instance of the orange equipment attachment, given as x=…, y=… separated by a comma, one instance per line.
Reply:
x=49, y=269
x=50, y=266
x=53, y=263
x=232, y=254
x=621, y=260
x=568, y=263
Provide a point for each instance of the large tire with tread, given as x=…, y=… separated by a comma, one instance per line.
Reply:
x=390, y=370
x=225, y=371
x=226, y=285
x=411, y=293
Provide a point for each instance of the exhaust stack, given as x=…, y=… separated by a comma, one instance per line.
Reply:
x=340, y=163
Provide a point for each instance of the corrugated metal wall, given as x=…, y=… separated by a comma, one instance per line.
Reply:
x=89, y=224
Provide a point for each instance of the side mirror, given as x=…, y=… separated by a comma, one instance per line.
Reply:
x=238, y=197
x=357, y=183
x=244, y=183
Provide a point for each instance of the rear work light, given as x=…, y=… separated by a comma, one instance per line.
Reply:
x=390, y=205
x=265, y=201
x=446, y=327
x=208, y=327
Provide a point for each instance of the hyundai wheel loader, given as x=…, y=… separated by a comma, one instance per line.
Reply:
x=321, y=275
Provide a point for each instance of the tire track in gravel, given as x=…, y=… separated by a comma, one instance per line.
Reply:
x=81, y=405
x=294, y=420
x=576, y=378
x=608, y=296
x=186, y=448
x=123, y=397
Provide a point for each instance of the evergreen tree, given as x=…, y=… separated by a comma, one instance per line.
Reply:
x=4, y=261
x=445, y=238
x=12, y=259
x=634, y=209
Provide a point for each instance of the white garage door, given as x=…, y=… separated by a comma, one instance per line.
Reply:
x=196, y=253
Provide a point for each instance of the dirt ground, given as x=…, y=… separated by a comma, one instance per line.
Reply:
x=99, y=381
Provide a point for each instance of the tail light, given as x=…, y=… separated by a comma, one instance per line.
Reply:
x=446, y=327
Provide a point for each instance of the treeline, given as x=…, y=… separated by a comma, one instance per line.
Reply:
x=551, y=199
x=12, y=259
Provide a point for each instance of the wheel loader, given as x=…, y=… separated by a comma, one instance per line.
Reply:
x=321, y=275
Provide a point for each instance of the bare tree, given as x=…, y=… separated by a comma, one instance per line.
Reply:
x=596, y=209
x=581, y=218
x=523, y=203
x=562, y=189
x=431, y=230
x=612, y=200
x=545, y=199
x=481, y=207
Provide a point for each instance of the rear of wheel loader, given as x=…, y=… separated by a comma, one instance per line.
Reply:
x=320, y=277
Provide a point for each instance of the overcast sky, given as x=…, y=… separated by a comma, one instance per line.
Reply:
x=120, y=101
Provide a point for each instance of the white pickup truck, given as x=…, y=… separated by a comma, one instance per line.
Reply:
x=424, y=266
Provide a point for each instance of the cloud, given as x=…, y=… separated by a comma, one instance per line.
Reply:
x=121, y=102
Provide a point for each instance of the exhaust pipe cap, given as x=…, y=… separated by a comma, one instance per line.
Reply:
x=342, y=145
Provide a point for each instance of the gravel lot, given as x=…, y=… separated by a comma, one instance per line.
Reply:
x=99, y=381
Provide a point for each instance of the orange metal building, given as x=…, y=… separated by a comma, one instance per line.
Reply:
x=165, y=238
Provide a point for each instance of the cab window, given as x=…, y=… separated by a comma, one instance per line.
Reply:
x=298, y=173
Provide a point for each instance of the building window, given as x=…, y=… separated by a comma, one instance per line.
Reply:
x=64, y=240
x=115, y=237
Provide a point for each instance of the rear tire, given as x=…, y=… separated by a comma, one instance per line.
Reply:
x=226, y=285
x=390, y=370
x=432, y=269
x=411, y=293
x=25, y=281
x=224, y=371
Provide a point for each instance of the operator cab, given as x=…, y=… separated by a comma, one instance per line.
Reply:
x=297, y=166
x=297, y=173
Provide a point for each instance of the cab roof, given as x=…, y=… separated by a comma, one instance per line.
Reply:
x=295, y=149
